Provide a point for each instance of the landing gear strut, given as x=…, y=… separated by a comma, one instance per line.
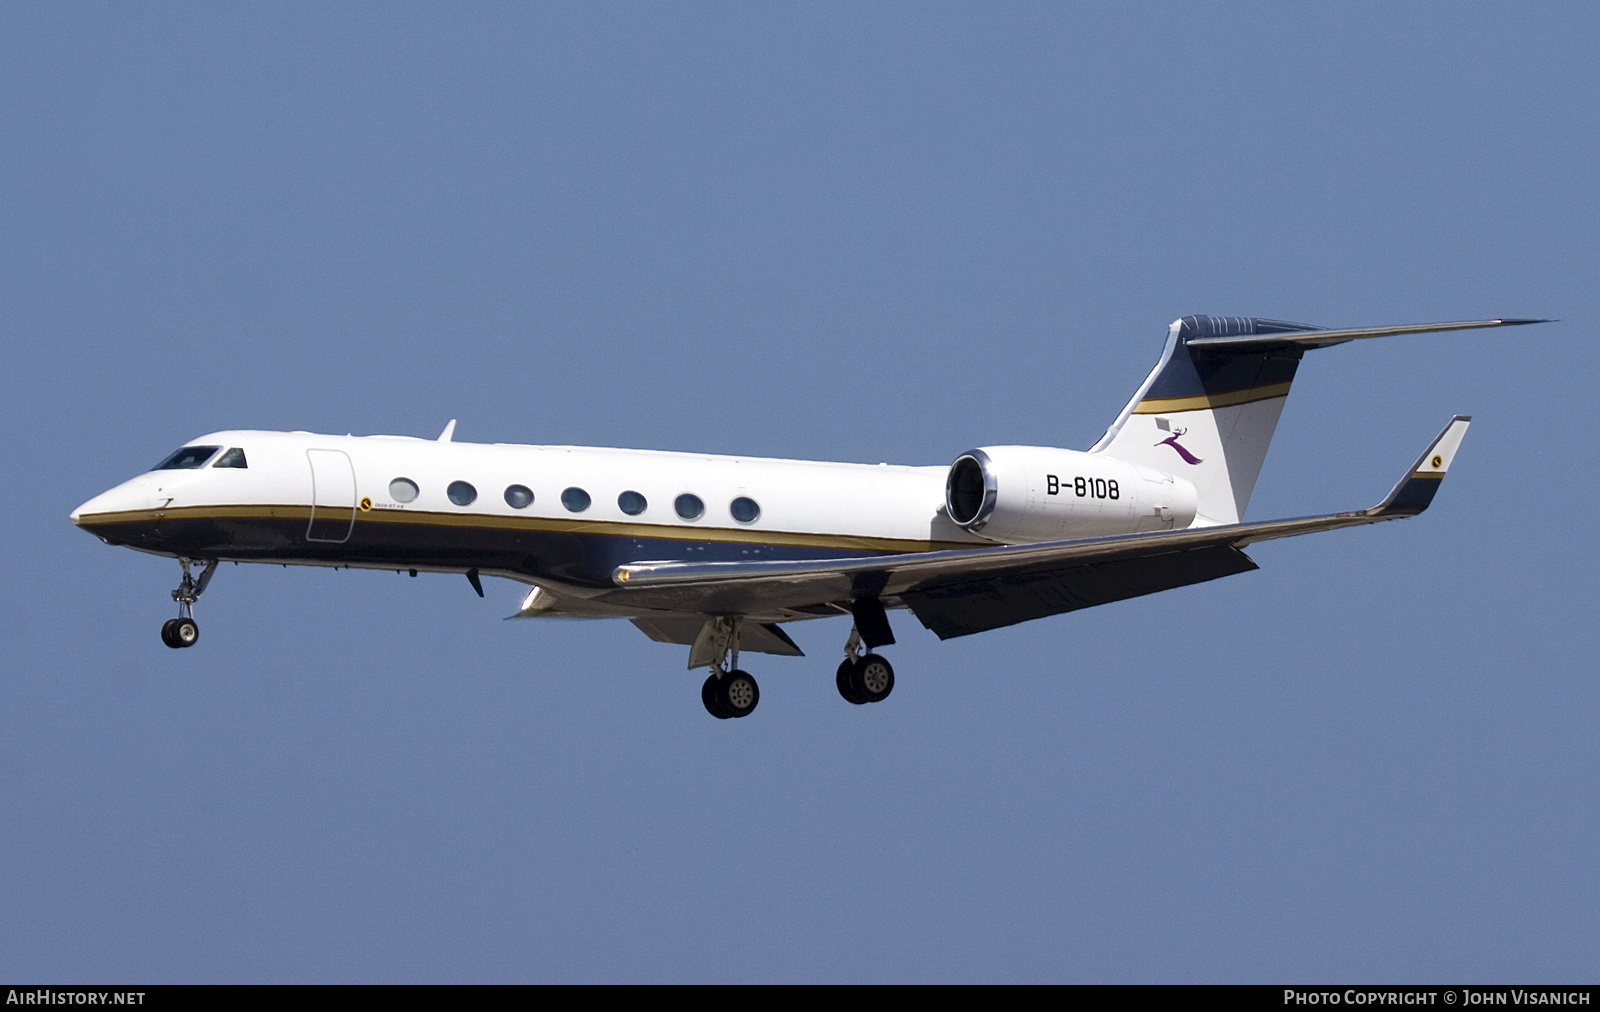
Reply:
x=863, y=677
x=728, y=692
x=182, y=631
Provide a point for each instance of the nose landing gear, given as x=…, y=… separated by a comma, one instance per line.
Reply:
x=183, y=631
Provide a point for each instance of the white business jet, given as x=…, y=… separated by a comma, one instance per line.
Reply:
x=716, y=552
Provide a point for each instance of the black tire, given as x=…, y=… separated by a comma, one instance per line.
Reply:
x=843, y=680
x=872, y=679
x=708, y=696
x=185, y=633
x=738, y=693
x=166, y=633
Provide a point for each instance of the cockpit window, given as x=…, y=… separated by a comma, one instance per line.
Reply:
x=233, y=458
x=188, y=458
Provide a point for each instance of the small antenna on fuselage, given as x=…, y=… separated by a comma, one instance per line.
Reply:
x=449, y=431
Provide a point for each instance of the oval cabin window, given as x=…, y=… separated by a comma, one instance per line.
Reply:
x=402, y=490
x=689, y=506
x=631, y=503
x=744, y=509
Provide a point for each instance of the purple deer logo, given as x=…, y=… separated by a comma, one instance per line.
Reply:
x=1172, y=441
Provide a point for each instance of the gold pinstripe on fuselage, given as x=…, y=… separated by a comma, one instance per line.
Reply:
x=544, y=525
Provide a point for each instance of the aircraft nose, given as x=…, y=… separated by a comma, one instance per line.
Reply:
x=130, y=495
x=77, y=515
x=102, y=503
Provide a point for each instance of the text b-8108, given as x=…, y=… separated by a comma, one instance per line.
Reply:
x=1083, y=488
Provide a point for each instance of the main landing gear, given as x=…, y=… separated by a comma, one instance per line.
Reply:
x=182, y=631
x=730, y=694
x=863, y=678
x=727, y=692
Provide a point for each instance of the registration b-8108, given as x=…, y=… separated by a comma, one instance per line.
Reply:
x=1083, y=488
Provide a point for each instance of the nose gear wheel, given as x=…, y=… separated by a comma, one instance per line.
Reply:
x=180, y=632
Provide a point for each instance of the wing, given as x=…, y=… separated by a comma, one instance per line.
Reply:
x=956, y=593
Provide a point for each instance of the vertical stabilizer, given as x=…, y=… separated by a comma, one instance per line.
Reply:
x=1206, y=414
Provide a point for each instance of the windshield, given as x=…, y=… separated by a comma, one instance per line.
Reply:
x=187, y=458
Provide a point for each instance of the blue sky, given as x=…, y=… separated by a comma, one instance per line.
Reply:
x=827, y=231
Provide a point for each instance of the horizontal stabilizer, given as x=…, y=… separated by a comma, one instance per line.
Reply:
x=1322, y=338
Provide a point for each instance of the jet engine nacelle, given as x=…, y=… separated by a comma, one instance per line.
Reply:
x=1021, y=494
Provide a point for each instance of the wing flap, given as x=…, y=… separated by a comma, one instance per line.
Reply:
x=756, y=637
x=962, y=607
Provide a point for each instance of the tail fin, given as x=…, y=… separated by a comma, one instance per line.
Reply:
x=1208, y=410
x=1207, y=416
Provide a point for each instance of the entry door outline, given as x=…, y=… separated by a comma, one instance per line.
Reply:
x=333, y=496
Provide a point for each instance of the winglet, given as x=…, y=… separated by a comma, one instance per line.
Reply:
x=1416, y=490
x=449, y=432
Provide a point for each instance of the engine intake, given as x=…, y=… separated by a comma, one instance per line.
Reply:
x=971, y=491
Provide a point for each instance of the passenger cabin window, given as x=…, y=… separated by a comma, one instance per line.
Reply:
x=461, y=493
x=631, y=503
x=744, y=509
x=233, y=458
x=403, y=489
x=519, y=497
x=187, y=459
x=689, y=506
x=575, y=499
